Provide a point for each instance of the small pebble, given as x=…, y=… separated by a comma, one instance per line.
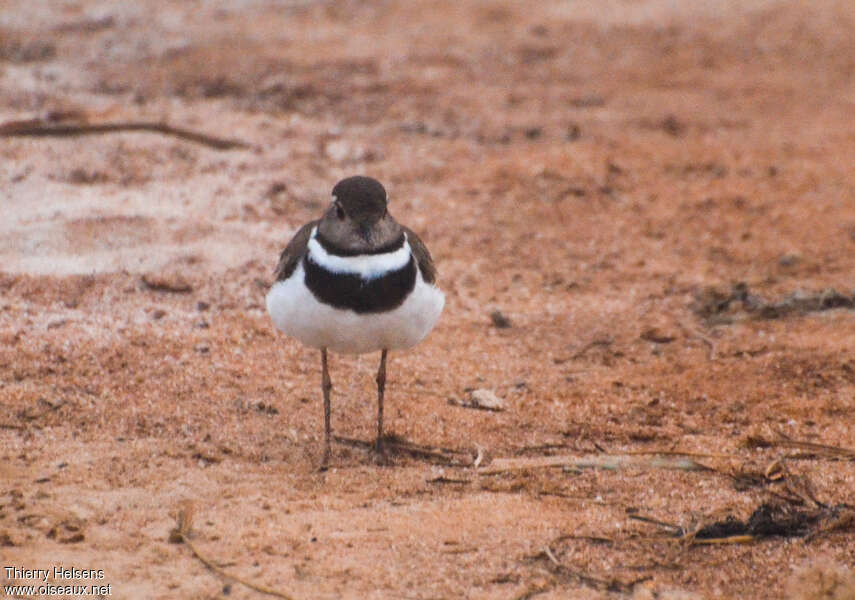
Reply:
x=482, y=398
x=499, y=319
x=790, y=259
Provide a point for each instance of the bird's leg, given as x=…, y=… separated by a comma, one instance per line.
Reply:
x=381, y=387
x=326, y=386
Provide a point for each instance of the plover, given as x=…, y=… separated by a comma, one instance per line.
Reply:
x=355, y=281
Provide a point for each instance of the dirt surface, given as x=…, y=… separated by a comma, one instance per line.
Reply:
x=593, y=179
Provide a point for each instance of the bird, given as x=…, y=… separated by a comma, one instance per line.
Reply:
x=355, y=281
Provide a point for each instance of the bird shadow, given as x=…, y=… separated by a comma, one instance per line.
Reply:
x=397, y=447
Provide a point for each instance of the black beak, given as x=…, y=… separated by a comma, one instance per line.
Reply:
x=366, y=232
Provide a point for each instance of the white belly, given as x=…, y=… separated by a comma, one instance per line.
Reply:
x=297, y=313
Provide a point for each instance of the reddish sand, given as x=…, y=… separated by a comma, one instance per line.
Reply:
x=593, y=171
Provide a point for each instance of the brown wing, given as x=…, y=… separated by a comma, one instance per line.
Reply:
x=422, y=255
x=294, y=252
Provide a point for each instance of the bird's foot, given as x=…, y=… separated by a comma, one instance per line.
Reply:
x=381, y=458
x=325, y=461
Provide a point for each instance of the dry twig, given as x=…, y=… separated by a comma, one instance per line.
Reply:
x=614, y=585
x=612, y=462
x=605, y=341
x=533, y=591
x=180, y=534
x=678, y=453
x=674, y=529
x=732, y=539
x=43, y=128
x=785, y=442
x=845, y=521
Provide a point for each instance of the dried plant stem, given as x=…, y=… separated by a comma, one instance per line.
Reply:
x=678, y=453
x=210, y=564
x=611, y=462
x=760, y=442
x=39, y=128
x=733, y=539
x=180, y=534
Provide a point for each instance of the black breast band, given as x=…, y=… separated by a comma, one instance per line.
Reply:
x=351, y=291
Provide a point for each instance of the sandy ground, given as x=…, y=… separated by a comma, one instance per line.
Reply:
x=600, y=173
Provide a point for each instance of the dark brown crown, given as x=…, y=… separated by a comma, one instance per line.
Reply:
x=362, y=198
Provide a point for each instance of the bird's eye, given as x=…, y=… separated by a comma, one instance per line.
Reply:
x=339, y=211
